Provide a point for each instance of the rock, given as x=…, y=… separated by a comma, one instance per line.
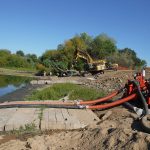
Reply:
x=108, y=113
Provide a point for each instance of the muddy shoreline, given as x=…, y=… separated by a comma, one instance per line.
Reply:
x=20, y=94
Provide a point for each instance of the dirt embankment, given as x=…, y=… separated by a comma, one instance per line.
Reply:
x=120, y=130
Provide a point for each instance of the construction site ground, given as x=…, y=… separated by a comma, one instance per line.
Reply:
x=117, y=128
x=46, y=119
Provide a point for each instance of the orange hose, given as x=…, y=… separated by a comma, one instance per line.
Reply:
x=37, y=103
x=118, y=102
x=98, y=100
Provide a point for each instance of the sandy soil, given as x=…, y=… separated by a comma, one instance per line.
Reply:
x=119, y=130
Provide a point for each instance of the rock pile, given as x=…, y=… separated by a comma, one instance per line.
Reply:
x=108, y=83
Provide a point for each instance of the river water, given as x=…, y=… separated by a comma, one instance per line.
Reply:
x=9, y=84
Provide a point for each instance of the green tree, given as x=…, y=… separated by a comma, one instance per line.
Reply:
x=99, y=47
x=102, y=46
x=4, y=55
x=17, y=61
x=32, y=59
x=60, y=47
x=87, y=39
x=4, y=52
x=20, y=53
x=131, y=56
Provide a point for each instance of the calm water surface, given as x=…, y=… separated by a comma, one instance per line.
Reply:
x=9, y=84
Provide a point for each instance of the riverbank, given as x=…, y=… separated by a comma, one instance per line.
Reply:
x=105, y=83
x=15, y=72
x=20, y=94
x=119, y=130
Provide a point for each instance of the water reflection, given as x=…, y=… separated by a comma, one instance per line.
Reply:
x=11, y=83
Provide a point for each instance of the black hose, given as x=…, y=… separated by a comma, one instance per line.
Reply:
x=128, y=105
x=42, y=105
x=144, y=120
x=143, y=100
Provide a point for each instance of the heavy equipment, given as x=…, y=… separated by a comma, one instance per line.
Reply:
x=137, y=91
x=111, y=66
x=61, y=72
x=94, y=66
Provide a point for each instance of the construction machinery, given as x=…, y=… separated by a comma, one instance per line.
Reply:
x=137, y=91
x=94, y=66
x=110, y=66
x=61, y=72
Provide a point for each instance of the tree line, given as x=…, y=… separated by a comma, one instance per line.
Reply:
x=17, y=60
x=99, y=47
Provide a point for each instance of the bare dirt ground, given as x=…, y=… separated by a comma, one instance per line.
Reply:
x=120, y=130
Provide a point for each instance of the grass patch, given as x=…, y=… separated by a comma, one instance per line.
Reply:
x=18, y=69
x=28, y=128
x=57, y=91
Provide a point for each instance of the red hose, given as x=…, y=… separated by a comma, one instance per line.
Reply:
x=98, y=100
x=118, y=102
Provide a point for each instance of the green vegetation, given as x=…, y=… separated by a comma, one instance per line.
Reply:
x=73, y=92
x=18, y=60
x=18, y=72
x=28, y=128
x=99, y=47
x=30, y=70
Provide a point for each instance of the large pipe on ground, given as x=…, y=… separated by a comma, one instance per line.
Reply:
x=37, y=103
x=115, y=103
x=65, y=105
x=41, y=105
x=91, y=102
x=50, y=102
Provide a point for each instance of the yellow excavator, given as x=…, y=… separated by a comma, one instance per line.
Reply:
x=95, y=66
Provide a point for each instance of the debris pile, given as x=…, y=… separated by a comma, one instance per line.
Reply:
x=109, y=82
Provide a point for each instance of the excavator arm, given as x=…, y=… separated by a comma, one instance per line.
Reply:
x=84, y=55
